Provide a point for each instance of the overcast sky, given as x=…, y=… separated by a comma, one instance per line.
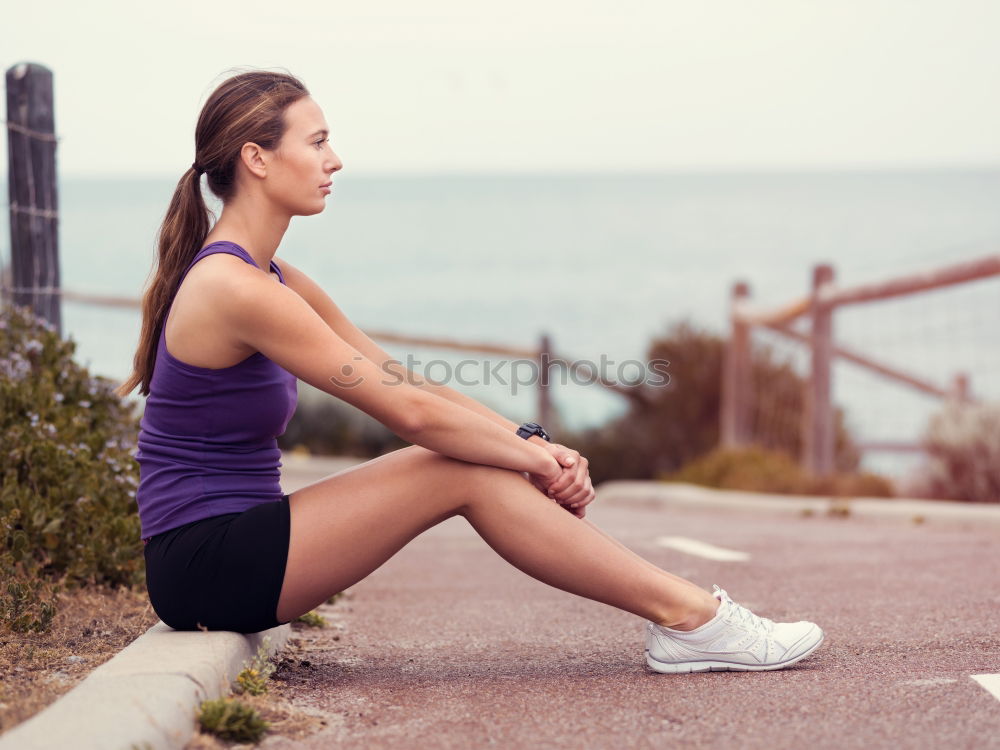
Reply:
x=444, y=86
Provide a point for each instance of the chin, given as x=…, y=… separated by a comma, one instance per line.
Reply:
x=311, y=210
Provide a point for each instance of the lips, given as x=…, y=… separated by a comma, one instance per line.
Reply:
x=326, y=185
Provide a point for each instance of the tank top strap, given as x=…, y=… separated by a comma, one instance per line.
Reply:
x=225, y=246
x=222, y=246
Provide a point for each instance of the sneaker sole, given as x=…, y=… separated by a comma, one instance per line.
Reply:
x=664, y=667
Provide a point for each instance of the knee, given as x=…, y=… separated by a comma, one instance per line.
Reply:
x=470, y=478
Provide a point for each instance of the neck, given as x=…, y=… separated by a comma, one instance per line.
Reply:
x=254, y=225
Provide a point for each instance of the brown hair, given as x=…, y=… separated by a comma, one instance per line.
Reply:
x=249, y=107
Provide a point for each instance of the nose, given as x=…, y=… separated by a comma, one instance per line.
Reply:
x=333, y=164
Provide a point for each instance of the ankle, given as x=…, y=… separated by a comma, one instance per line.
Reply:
x=695, y=616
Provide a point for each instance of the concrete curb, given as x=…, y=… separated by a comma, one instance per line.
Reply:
x=147, y=695
x=654, y=494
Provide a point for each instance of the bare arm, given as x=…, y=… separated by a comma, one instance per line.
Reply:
x=332, y=315
x=278, y=322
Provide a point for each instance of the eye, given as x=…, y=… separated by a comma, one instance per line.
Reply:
x=319, y=143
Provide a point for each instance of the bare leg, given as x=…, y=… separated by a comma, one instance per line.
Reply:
x=643, y=560
x=347, y=525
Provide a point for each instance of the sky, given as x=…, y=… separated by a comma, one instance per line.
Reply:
x=535, y=86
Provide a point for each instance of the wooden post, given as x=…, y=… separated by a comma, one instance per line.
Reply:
x=818, y=438
x=544, y=393
x=960, y=390
x=34, y=217
x=736, y=376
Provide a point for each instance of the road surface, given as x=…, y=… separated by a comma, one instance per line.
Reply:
x=448, y=646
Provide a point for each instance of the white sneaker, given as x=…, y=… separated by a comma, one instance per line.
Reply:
x=735, y=639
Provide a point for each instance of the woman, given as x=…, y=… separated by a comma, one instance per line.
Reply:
x=222, y=344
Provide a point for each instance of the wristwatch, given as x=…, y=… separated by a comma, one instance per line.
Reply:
x=533, y=428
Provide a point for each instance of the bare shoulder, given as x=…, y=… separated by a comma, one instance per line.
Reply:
x=209, y=283
x=195, y=331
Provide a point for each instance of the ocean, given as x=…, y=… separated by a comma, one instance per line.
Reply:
x=601, y=263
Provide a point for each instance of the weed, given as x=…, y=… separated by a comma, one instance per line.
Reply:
x=254, y=676
x=839, y=509
x=231, y=719
x=312, y=619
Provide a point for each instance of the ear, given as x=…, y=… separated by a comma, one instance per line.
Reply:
x=254, y=158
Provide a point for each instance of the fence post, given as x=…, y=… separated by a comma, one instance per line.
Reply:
x=736, y=376
x=818, y=440
x=31, y=167
x=960, y=390
x=544, y=389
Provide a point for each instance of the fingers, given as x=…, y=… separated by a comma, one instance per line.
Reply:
x=584, y=497
x=569, y=459
x=570, y=482
x=572, y=488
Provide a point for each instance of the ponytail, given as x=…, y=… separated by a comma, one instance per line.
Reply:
x=181, y=235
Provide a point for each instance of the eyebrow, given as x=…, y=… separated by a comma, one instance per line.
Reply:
x=320, y=132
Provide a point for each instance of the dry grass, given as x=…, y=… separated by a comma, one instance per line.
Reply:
x=91, y=625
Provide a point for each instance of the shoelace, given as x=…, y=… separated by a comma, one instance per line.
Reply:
x=743, y=615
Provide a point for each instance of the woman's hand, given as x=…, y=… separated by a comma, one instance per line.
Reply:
x=551, y=473
x=572, y=487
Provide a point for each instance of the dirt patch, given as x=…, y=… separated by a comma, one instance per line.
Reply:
x=91, y=625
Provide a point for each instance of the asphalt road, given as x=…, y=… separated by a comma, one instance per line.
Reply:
x=447, y=646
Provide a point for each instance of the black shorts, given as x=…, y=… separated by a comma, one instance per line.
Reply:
x=221, y=573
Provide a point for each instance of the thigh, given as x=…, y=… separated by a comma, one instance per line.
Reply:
x=347, y=525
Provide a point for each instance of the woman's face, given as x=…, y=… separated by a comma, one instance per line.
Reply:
x=298, y=175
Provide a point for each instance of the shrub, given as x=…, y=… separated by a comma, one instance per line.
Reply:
x=963, y=447
x=67, y=499
x=678, y=422
x=756, y=469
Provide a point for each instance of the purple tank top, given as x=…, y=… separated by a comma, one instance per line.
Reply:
x=208, y=436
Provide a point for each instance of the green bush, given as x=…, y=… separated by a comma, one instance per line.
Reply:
x=963, y=446
x=67, y=499
x=756, y=469
x=679, y=422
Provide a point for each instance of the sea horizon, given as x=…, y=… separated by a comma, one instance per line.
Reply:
x=600, y=261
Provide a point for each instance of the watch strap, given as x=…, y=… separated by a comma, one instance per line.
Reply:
x=528, y=429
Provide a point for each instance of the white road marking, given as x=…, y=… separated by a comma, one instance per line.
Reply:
x=989, y=681
x=701, y=549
